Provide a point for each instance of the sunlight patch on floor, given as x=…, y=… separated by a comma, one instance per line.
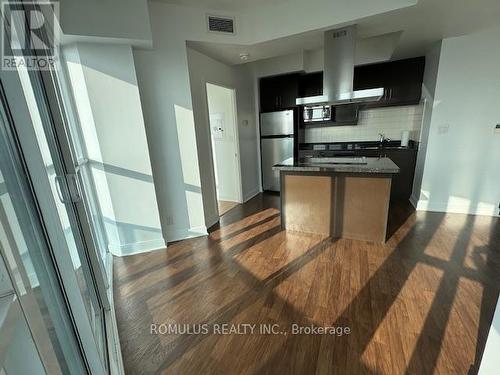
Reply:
x=416, y=297
x=243, y=223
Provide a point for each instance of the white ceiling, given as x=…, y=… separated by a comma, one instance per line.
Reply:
x=229, y=5
x=421, y=25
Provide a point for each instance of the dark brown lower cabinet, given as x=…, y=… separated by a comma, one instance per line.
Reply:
x=402, y=183
x=406, y=160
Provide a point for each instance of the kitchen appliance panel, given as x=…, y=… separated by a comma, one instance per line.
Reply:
x=274, y=151
x=276, y=123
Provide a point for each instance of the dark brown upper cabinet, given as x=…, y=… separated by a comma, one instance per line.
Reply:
x=401, y=80
x=279, y=92
x=311, y=84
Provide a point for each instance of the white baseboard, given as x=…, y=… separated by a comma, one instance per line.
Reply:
x=252, y=193
x=468, y=209
x=414, y=201
x=137, y=247
x=177, y=234
x=112, y=336
x=229, y=199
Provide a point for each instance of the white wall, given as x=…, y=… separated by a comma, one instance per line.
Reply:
x=120, y=21
x=222, y=113
x=163, y=79
x=204, y=69
x=108, y=104
x=428, y=92
x=491, y=361
x=390, y=121
x=461, y=171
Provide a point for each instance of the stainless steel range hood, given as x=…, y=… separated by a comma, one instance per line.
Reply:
x=338, y=72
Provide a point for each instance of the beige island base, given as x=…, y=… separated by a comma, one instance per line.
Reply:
x=337, y=200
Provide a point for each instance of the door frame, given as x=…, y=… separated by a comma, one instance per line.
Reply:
x=55, y=105
x=49, y=215
x=236, y=142
x=27, y=144
x=34, y=235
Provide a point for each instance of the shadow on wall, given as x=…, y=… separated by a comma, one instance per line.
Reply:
x=463, y=146
x=110, y=116
x=112, y=104
x=120, y=72
x=108, y=168
x=128, y=233
x=190, y=173
x=132, y=233
x=464, y=180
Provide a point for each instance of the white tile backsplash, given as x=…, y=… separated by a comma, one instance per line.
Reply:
x=390, y=121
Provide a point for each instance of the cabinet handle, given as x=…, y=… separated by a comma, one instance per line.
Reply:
x=390, y=93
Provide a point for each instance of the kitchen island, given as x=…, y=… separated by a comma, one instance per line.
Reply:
x=338, y=197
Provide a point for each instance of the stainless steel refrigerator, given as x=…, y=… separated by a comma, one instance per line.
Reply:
x=276, y=140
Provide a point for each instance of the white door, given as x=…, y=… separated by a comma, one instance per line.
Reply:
x=224, y=137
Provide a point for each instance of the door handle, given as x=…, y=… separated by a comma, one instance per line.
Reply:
x=70, y=193
x=58, y=180
x=74, y=187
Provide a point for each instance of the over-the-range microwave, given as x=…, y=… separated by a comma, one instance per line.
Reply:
x=346, y=114
x=317, y=113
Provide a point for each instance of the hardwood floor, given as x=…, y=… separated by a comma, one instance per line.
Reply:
x=420, y=304
x=225, y=206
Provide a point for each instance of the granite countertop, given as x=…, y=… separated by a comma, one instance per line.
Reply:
x=339, y=165
x=357, y=145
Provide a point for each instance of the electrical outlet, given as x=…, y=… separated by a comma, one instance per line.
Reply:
x=170, y=220
x=497, y=128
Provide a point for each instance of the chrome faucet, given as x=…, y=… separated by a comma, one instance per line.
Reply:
x=383, y=139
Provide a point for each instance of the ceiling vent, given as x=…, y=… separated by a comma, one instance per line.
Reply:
x=220, y=24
